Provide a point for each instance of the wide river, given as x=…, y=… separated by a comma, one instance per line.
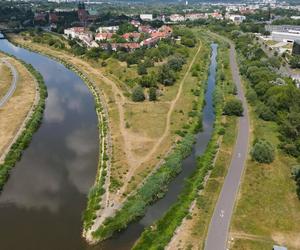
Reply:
x=42, y=202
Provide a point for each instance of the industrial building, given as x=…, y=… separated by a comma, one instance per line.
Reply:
x=289, y=37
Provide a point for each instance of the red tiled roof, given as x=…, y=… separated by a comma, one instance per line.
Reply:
x=104, y=36
x=132, y=34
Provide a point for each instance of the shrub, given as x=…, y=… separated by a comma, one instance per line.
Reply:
x=152, y=94
x=138, y=94
x=142, y=70
x=263, y=152
x=264, y=112
x=233, y=107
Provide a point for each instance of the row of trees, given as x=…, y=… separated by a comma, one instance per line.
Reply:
x=276, y=99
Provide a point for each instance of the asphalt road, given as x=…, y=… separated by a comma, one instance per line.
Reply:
x=220, y=222
x=13, y=85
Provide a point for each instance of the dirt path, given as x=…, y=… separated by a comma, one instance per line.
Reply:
x=13, y=85
x=167, y=128
x=17, y=111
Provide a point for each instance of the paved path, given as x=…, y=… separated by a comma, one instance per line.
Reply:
x=220, y=222
x=13, y=85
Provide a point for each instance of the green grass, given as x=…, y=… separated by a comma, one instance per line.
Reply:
x=245, y=244
x=268, y=205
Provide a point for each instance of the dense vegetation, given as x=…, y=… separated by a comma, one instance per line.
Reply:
x=15, y=153
x=275, y=99
x=154, y=188
x=163, y=229
x=156, y=66
x=262, y=152
x=233, y=107
x=155, y=185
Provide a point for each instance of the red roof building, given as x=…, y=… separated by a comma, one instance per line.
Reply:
x=133, y=36
x=103, y=36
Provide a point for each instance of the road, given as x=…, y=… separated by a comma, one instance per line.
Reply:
x=13, y=85
x=220, y=222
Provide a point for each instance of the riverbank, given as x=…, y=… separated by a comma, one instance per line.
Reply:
x=184, y=107
x=21, y=116
x=191, y=232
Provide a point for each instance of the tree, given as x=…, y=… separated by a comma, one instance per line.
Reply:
x=166, y=76
x=152, y=94
x=264, y=112
x=188, y=42
x=142, y=70
x=176, y=62
x=148, y=81
x=263, y=152
x=138, y=94
x=233, y=107
x=295, y=62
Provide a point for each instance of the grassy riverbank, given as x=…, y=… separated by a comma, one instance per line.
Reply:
x=159, y=235
x=156, y=184
x=32, y=125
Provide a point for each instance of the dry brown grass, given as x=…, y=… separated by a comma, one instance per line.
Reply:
x=13, y=113
x=5, y=79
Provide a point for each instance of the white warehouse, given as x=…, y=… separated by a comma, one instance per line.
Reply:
x=290, y=36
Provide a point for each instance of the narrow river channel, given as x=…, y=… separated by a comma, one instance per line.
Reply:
x=41, y=204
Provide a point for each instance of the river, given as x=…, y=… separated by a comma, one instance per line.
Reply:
x=42, y=202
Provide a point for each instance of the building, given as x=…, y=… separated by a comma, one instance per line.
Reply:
x=132, y=36
x=80, y=33
x=296, y=48
x=146, y=17
x=145, y=29
x=177, y=18
x=216, y=15
x=279, y=248
x=135, y=23
x=237, y=19
x=282, y=28
x=103, y=36
x=195, y=16
x=110, y=29
x=289, y=37
x=295, y=17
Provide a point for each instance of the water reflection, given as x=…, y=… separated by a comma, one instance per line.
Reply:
x=80, y=143
x=54, y=111
x=41, y=204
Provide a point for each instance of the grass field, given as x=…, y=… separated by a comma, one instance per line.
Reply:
x=268, y=209
x=5, y=80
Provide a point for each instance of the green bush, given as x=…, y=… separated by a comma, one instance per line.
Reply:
x=263, y=152
x=233, y=107
x=152, y=94
x=138, y=94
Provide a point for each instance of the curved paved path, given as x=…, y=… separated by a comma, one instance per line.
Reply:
x=220, y=222
x=13, y=85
